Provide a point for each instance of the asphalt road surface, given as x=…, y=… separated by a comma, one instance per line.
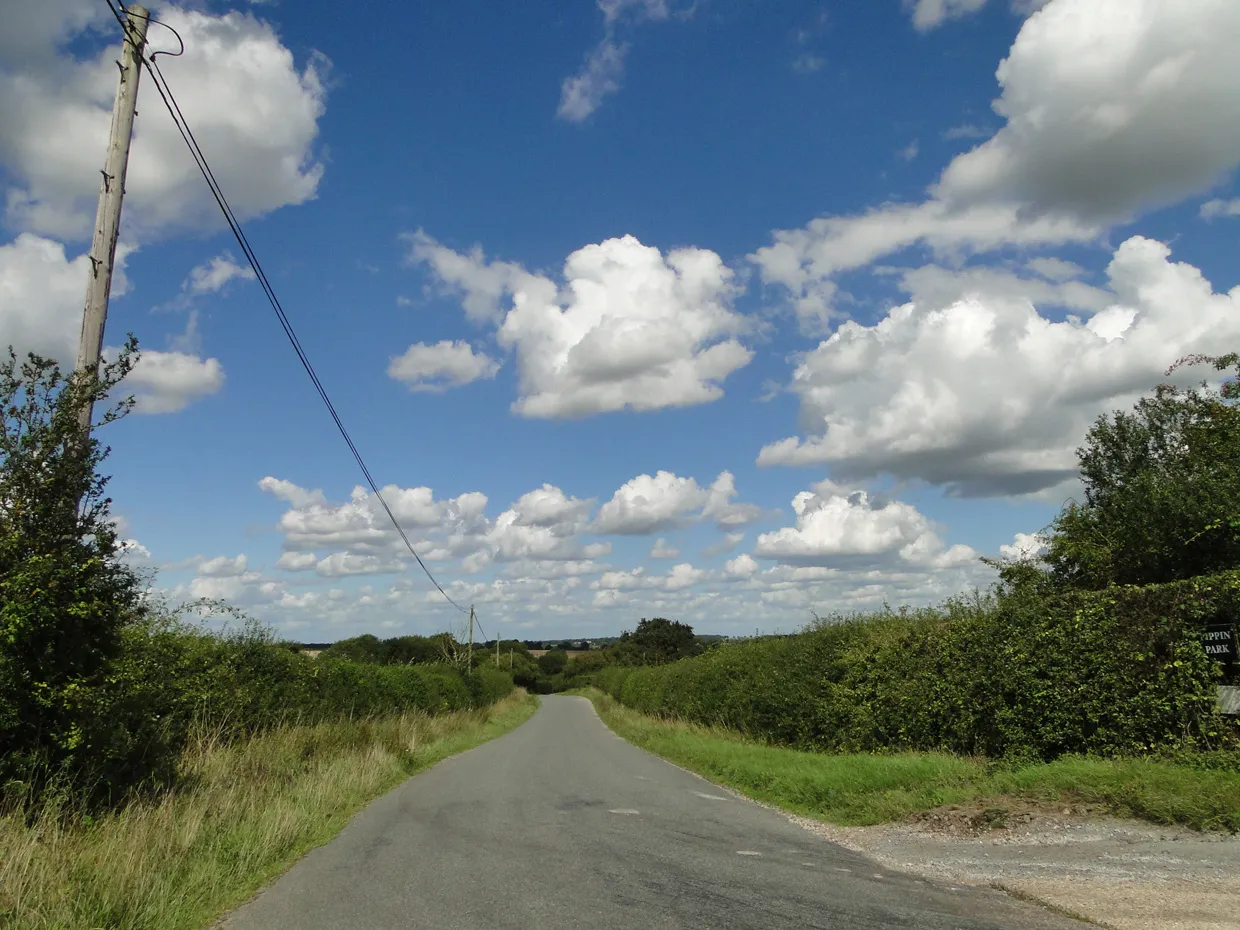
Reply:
x=561, y=825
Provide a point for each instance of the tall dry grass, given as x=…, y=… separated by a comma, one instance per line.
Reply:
x=244, y=812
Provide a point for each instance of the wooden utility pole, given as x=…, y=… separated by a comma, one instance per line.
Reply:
x=470, y=666
x=111, y=193
x=497, y=650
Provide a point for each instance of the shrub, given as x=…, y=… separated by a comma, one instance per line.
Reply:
x=1114, y=672
x=65, y=594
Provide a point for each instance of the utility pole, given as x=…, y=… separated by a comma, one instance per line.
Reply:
x=497, y=650
x=471, y=637
x=112, y=191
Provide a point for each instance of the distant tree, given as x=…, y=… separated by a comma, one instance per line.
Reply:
x=584, y=664
x=655, y=642
x=1162, y=491
x=364, y=648
x=411, y=650
x=553, y=662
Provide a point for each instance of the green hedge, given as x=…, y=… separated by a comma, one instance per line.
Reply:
x=1114, y=672
x=170, y=679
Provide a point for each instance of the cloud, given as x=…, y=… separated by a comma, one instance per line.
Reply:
x=648, y=504
x=743, y=566
x=910, y=152
x=291, y=493
x=808, y=63
x=213, y=276
x=42, y=294
x=1213, y=209
x=1024, y=546
x=297, y=561
x=630, y=328
x=223, y=567
x=729, y=542
x=602, y=74
x=542, y=526
x=966, y=131
x=986, y=395
x=254, y=112
x=41, y=297
x=930, y=14
x=1098, y=97
x=833, y=528
x=166, y=382
x=444, y=365
x=662, y=549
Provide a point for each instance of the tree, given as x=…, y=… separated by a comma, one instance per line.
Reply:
x=66, y=593
x=1162, y=490
x=553, y=662
x=655, y=642
x=364, y=648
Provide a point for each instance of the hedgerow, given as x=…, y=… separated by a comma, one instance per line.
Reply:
x=1112, y=672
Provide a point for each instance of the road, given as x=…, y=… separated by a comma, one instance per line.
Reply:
x=561, y=825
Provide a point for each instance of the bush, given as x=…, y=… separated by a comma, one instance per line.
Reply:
x=1116, y=672
x=553, y=662
x=65, y=594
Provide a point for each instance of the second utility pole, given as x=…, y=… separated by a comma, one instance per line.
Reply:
x=108, y=217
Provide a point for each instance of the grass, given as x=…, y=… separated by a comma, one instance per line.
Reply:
x=248, y=811
x=864, y=789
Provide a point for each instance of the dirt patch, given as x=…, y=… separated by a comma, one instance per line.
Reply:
x=1116, y=873
x=998, y=816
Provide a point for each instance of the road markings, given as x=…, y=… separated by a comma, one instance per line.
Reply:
x=747, y=852
x=710, y=797
x=624, y=810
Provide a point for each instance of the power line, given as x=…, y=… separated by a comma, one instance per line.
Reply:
x=182, y=125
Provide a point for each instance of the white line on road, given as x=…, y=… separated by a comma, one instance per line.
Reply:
x=624, y=810
x=747, y=852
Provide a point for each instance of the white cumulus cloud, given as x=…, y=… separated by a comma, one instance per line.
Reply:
x=446, y=364
x=42, y=293
x=254, y=111
x=650, y=503
x=630, y=328
x=213, y=276
x=833, y=528
x=988, y=396
x=1111, y=107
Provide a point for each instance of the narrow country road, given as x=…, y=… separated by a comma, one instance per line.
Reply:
x=561, y=825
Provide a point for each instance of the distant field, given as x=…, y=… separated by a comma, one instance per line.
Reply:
x=571, y=653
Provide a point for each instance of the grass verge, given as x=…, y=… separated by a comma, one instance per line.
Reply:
x=246, y=813
x=863, y=789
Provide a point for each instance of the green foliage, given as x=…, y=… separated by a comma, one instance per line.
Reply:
x=65, y=594
x=1162, y=491
x=400, y=650
x=171, y=677
x=1014, y=675
x=655, y=642
x=1198, y=790
x=553, y=662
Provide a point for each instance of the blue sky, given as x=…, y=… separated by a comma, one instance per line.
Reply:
x=725, y=311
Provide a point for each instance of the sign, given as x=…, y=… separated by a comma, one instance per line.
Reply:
x=1219, y=642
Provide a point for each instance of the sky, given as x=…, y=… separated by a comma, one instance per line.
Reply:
x=726, y=311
